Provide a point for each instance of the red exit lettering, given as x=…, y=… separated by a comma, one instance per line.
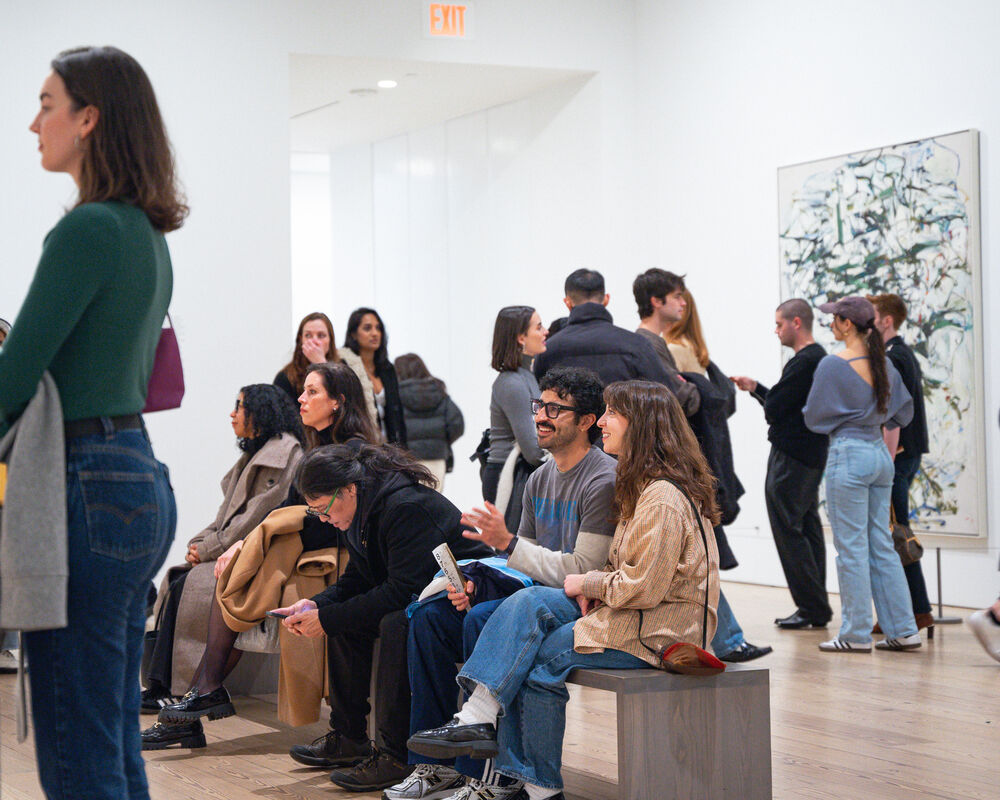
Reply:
x=447, y=19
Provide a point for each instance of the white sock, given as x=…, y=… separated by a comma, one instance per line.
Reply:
x=480, y=708
x=539, y=792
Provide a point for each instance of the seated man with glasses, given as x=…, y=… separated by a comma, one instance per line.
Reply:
x=566, y=527
x=391, y=520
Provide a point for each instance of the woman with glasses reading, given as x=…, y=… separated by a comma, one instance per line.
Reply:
x=380, y=497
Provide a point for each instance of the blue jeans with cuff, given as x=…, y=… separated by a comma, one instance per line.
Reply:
x=85, y=677
x=522, y=658
x=859, y=477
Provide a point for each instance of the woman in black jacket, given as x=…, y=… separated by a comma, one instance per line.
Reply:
x=379, y=496
x=433, y=421
x=367, y=338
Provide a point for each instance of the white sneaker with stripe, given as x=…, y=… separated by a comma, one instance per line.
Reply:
x=837, y=645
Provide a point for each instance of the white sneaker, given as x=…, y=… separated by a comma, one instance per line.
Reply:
x=426, y=782
x=911, y=642
x=837, y=645
x=8, y=660
x=478, y=790
x=987, y=632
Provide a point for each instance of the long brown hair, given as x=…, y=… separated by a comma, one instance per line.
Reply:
x=658, y=445
x=872, y=339
x=295, y=370
x=687, y=330
x=127, y=156
x=351, y=419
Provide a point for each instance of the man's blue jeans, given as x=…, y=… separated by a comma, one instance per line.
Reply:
x=523, y=657
x=440, y=637
x=85, y=677
x=858, y=483
x=728, y=633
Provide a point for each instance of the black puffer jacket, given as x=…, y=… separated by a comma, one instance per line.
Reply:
x=433, y=421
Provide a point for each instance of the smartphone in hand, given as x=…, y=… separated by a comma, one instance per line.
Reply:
x=276, y=615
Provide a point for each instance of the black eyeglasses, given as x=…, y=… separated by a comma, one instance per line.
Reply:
x=552, y=410
x=315, y=512
x=239, y=404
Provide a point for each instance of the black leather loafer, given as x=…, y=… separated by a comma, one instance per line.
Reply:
x=214, y=705
x=163, y=735
x=745, y=652
x=796, y=621
x=332, y=750
x=455, y=739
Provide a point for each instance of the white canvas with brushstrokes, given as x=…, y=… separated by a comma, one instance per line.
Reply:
x=905, y=219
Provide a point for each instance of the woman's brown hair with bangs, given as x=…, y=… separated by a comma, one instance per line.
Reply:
x=658, y=445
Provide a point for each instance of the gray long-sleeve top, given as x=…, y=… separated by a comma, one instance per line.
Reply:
x=511, y=418
x=842, y=403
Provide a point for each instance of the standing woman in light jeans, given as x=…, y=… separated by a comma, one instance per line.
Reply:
x=92, y=319
x=854, y=394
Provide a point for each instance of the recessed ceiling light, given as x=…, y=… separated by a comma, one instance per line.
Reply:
x=364, y=92
x=387, y=84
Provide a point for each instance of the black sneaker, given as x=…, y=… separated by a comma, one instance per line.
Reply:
x=454, y=739
x=378, y=771
x=163, y=735
x=155, y=699
x=332, y=750
x=214, y=705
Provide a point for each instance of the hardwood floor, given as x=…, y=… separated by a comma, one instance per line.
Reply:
x=924, y=724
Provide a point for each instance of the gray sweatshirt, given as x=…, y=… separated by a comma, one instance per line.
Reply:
x=34, y=559
x=842, y=403
x=511, y=418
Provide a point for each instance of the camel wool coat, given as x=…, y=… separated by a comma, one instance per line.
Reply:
x=271, y=571
x=255, y=486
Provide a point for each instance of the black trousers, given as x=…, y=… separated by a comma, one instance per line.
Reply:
x=350, y=657
x=161, y=664
x=906, y=469
x=791, y=492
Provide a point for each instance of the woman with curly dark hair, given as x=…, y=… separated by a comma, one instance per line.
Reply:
x=269, y=434
x=651, y=594
x=331, y=407
x=367, y=338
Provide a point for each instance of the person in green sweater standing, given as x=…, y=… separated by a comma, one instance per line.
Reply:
x=92, y=319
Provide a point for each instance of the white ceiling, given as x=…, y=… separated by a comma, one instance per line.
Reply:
x=326, y=116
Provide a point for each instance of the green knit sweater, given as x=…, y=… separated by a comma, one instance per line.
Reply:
x=92, y=316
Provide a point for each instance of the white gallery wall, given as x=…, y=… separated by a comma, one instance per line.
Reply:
x=665, y=156
x=732, y=90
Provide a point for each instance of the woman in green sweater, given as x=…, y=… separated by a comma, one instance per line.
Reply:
x=92, y=319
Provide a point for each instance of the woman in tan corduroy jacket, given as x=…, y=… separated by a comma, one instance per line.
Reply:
x=651, y=594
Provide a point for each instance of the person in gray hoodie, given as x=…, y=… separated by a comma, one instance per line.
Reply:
x=433, y=421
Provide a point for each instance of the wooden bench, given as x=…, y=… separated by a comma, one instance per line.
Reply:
x=682, y=737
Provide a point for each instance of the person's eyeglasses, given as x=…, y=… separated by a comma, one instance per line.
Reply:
x=315, y=512
x=552, y=410
x=239, y=404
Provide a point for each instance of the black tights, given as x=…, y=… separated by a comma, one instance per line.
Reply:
x=220, y=656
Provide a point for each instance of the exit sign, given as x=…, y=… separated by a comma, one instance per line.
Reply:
x=448, y=20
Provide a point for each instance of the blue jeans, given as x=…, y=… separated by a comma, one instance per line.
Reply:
x=858, y=483
x=439, y=637
x=728, y=633
x=85, y=677
x=523, y=657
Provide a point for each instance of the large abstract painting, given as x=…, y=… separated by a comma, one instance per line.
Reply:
x=905, y=219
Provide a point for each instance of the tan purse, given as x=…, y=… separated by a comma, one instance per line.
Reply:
x=906, y=543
